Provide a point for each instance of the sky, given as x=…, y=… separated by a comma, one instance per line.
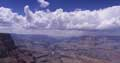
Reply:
x=33, y=16
x=67, y=5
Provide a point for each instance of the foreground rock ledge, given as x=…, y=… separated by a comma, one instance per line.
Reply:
x=6, y=44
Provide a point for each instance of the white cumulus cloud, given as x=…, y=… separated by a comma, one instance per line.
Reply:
x=107, y=18
x=102, y=19
x=43, y=3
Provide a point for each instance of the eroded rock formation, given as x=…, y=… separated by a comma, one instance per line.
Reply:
x=6, y=44
x=87, y=50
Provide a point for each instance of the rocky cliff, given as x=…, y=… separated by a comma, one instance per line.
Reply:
x=6, y=44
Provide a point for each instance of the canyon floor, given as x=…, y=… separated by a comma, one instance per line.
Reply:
x=83, y=49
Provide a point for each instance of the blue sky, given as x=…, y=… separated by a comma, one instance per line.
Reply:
x=66, y=5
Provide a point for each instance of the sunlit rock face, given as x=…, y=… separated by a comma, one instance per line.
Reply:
x=6, y=44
